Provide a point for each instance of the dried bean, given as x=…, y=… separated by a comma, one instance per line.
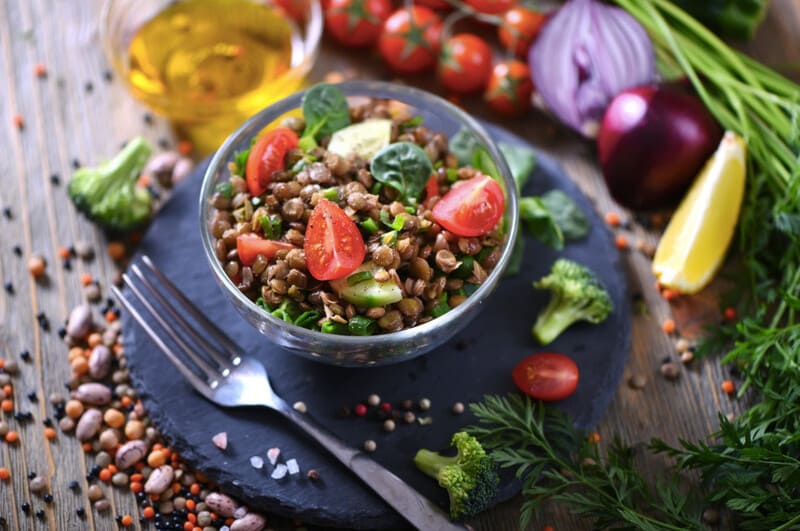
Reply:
x=100, y=362
x=159, y=480
x=93, y=393
x=80, y=321
x=249, y=522
x=89, y=424
x=130, y=453
x=221, y=504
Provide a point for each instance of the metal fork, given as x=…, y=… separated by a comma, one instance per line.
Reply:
x=214, y=366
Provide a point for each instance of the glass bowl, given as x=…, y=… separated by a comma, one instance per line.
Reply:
x=207, y=117
x=381, y=349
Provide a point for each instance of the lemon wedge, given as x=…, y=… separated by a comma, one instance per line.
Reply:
x=694, y=244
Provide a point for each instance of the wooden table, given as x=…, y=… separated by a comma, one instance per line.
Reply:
x=75, y=115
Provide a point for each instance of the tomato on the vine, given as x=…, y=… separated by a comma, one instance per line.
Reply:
x=267, y=156
x=357, y=22
x=433, y=4
x=465, y=63
x=491, y=7
x=519, y=29
x=546, y=376
x=411, y=39
x=510, y=87
x=472, y=207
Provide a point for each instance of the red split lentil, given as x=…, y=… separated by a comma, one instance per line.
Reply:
x=19, y=121
x=86, y=279
x=594, y=437
x=40, y=70
x=185, y=147
x=612, y=218
x=668, y=326
x=728, y=387
x=729, y=313
x=621, y=242
x=5, y=474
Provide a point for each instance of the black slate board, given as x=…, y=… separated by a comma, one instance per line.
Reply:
x=476, y=362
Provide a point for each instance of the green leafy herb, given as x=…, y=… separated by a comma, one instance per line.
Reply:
x=521, y=160
x=403, y=166
x=515, y=262
x=325, y=111
x=287, y=311
x=452, y=175
x=540, y=222
x=482, y=161
x=570, y=219
x=271, y=227
x=395, y=224
x=469, y=288
x=463, y=145
x=466, y=268
x=224, y=189
x=412, y=123
x=240, y=159
x=358, y=325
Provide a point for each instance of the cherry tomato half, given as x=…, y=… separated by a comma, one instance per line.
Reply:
x=250, y=245
x=519, y=29
x=334, y=246
x=472, y=207
x=357, y=22
x=465, y=63
x=432, y=187
x=546, y=376
x=491, y=7
x=410, y=39
x=510, y=87
x=267, y=156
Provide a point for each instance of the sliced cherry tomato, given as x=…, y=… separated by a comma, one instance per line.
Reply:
x=546, y=376
x=465, y=63
x=510, y=87
x=491, y=7
x=334, y=246
x=519, y=29
x=250, y=245
x=411, y=39
x=472, y=207
x=432, y=187
x=267, y=156
x=357, y=22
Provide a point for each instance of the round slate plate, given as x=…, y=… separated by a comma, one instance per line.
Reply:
x=476, y=362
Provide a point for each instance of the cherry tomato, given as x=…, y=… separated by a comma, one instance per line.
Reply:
x=519, y=29
x=334, y=246
x=250, y=245
x=432, y=187
x=297, y=9
x=465, y=63
x=510, y=87
x=472, y=207
x=492, y=7
x=357, y=22
x=267, y=156
x=546, y=376
x=433, y=4
x=410, y=39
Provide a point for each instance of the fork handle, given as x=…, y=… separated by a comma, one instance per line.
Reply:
x=410, y=504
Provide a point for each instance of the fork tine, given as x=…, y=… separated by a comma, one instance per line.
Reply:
x=211, y=374
x=193, y=379
x=224, y=364
x=229, y=346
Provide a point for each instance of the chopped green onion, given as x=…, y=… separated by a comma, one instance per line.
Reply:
x=466, y=268
x=240, y=159
x=441, y=307
x=411, y=210
x=358, y=278
x=331, y=194
x=413, y=122
x=308, y=319
x=438, y=164
x=332, y=327
x=307, y=143
x=225, y=190
x=283, y=315
x=362, y=326
x=452, y=175
x=376, y=188
x=369, y=225
x=398, y=223
x=271, y=227
x=261, y=303
x=470, y=288
x=299, y=165
x=483, y=253
x=389, y=238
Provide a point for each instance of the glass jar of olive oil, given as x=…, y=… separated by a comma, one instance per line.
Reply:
x=208, y=65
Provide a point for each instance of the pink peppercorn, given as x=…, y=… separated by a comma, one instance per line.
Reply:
x=386, y=407
x=360, y=410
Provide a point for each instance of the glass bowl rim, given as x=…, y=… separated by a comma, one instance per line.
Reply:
x=372, y=89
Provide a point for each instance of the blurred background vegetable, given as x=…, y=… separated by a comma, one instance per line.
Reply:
x=737, y=19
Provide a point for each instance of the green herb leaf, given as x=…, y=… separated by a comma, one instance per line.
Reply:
x=271, y=227
x=521, y=160
x=308, y=319
x=515, y=262
x=441, y=307
x=403, y=166
x=332, y=327
x=358, y=325
x=240, y=159
x=463, y=145
x=540, y=222
x=413, y=122
x=482, y=161
x=325, y=110
x=369, y=225
x=466, y=268
x=397, y=224
x=567, y=214
x=225, y=189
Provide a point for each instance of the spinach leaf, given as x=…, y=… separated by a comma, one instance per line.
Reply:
x=482, y=161
x=521, y=161
x=403, y=166
x=515, y=262
x=240, y=159
x=569, y=217
x=540, y=222
x=325, y=111
x=463, y=145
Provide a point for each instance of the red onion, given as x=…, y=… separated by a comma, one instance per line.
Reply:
x=586, y=54
x=653, y=142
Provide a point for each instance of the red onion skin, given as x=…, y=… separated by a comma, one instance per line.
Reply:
x=653, y=142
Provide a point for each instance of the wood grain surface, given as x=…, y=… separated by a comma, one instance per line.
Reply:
x=75, y=115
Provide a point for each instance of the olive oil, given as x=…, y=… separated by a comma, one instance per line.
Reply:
x=210, y=64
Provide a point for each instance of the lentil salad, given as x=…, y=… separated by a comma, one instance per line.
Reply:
x=356, y=219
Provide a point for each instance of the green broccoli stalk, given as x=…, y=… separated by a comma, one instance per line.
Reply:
x=108, y=194
x=470, y=477
x=577, y=295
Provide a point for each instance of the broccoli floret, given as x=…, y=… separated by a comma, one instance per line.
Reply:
x=109, y=195
x=470, y=477
x=577, y=295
